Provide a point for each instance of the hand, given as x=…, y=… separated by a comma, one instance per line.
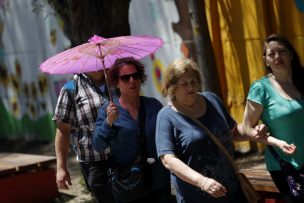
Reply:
x=112, y=113
x=213, y=187
x=260, y=131
x=287, y=148
x=63, y=179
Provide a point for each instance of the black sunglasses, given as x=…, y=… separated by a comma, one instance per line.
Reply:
x=126, y=78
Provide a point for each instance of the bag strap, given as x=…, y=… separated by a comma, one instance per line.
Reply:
x=184, y=112
x=275, y=154
x=142, y=152
x=281, y=161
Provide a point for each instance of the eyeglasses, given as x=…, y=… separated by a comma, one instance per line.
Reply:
x=126, y=78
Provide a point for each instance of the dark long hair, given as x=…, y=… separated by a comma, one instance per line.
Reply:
x=297, y=68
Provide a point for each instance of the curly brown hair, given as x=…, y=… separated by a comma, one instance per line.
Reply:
x=119, y=63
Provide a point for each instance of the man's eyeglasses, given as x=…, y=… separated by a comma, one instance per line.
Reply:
x=126, y=78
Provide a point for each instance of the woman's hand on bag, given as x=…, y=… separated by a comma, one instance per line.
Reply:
x=213, y=187
x=112, y=113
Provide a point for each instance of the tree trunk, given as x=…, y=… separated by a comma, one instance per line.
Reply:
x=84, y=18
x=206, y=57
x=196, y=42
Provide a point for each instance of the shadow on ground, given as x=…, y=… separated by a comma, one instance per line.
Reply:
x=77, y=192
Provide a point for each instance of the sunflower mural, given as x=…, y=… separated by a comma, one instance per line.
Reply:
x=157, y=72
x=43, y=90
x=26, y=90
x=4, y=78
x=60, y=23
x=12, y=84
x=53, y=37
x=32, y=109
x=15, y=106
x=26, y=95
x=16, y=78
x=15, y=83
x=26, y=102
x=53, y=32
x=32, y=105
x=18, y=69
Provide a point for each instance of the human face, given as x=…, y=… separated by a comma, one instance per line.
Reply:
x=186, y=88
x=97, y=77
x=277, y=57
x=129, y=80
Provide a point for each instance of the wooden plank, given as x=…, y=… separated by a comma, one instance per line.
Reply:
x=260, y=178
x=17, y=162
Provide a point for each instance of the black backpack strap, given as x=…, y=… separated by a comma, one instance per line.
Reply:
x=71, y=88
x=286, y=167
x=274, y=153
x=141, y=155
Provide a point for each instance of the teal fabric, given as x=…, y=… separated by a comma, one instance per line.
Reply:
x=284, y=118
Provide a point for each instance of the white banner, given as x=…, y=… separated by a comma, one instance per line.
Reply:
x=155, y=17
x=27, y=38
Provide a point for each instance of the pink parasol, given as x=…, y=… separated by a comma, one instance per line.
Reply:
x=100, y=53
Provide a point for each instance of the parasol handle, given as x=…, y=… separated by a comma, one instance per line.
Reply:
x=106, y=79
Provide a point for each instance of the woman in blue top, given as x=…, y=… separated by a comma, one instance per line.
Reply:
x=278, y=100
x=200, y=171
x=118, y=127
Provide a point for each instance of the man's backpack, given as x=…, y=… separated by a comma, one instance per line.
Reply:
x=71, y=88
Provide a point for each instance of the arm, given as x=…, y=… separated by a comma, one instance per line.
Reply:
x=187, y=174
x=249, y=130
x=103, y=130
x=252, y=114
x=166, y=147
x=62, y=141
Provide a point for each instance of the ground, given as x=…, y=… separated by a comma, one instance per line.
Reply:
x=77, y=193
